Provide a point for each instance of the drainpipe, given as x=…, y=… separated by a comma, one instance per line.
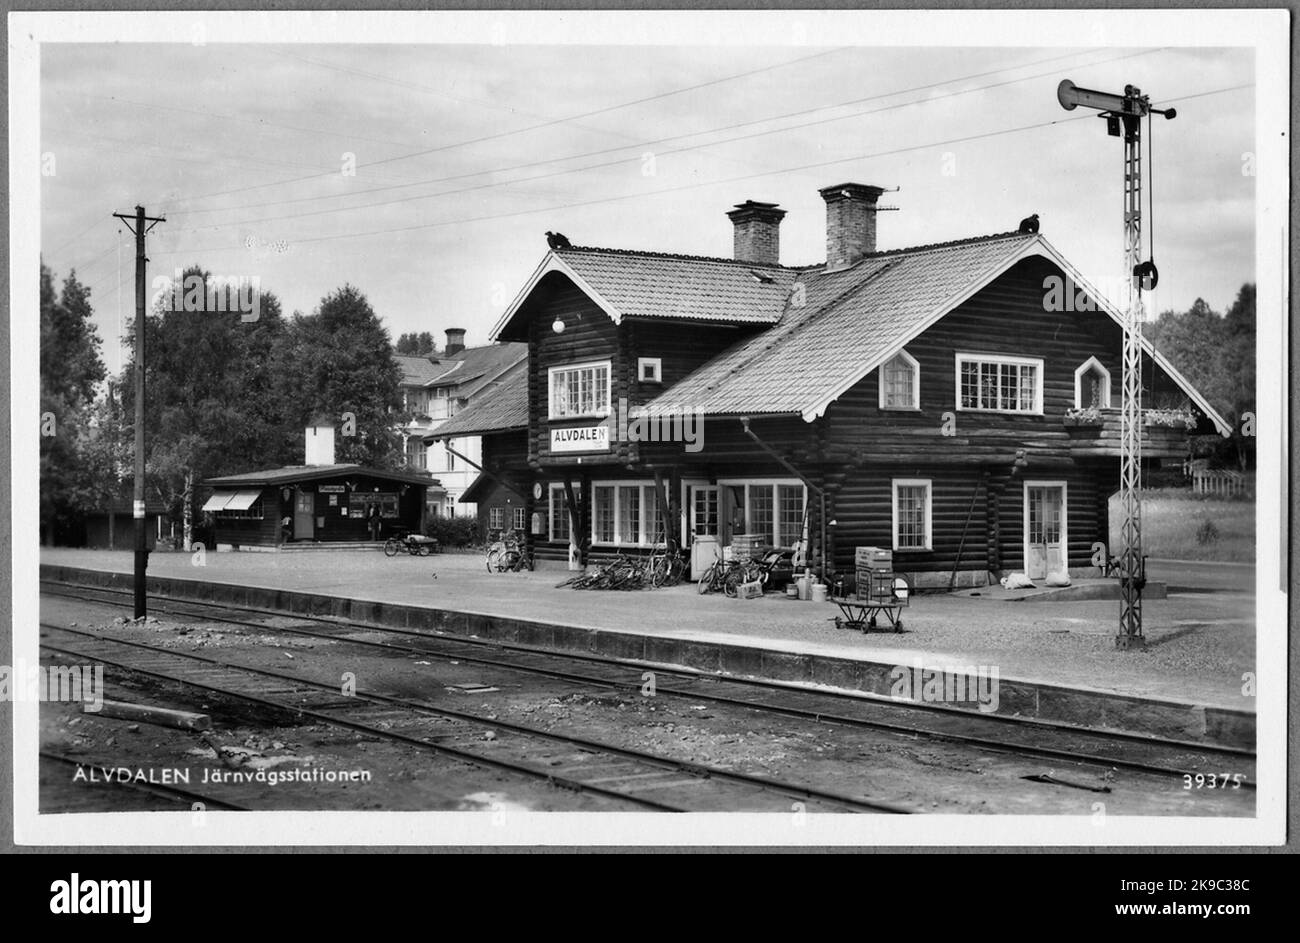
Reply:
x=816, y=489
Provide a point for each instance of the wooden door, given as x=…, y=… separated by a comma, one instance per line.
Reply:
x=1044, y=530
x=304, y=515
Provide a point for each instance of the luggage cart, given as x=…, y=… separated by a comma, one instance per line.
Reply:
x=882, y=592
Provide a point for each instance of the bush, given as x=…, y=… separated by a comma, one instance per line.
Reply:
x=454, y=531
x=1207, y=533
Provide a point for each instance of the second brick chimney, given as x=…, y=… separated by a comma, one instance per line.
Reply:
x=455, y=341
x=757, y=232
x=850, y=222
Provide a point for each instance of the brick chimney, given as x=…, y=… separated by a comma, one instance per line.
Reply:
x=455, y=341
x=757, y=232
x=850, y=222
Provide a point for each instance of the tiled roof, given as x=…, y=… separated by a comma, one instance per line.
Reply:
x=292, y=473
x=417, y=371
x=850, y=321
x=499, y=406
x=654, y=285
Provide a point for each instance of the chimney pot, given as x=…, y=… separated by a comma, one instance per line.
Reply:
x=850, y=222
x=757, y=232
x=455, y=341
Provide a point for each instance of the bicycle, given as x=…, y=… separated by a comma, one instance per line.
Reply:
x=508, y=554
x=727, y=575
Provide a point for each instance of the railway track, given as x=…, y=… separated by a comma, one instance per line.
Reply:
x=994, y=733
x=631, y=777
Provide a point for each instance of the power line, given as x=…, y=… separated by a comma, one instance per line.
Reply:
x=545, y=124
x=691, y=134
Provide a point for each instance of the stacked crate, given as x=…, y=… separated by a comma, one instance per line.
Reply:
x=873, y=573
x=747, y=546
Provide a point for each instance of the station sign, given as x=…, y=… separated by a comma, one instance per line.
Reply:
x=580, y=439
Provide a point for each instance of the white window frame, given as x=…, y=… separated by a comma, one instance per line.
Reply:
x=1087, y=365
x=650, y=365
x=555, y=492
x=519, y=518
x=928, y=484
x=645, y=524
x=496, y=517
x=916, y=382
x=569, y=368
x=963, y=357
x=773, y=483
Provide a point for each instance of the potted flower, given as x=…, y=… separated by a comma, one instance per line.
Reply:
x=1086, y=419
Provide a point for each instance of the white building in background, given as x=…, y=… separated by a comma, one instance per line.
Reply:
x=435, y=388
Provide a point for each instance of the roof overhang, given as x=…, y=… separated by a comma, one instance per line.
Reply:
x=1038, y=246
x=551, y=263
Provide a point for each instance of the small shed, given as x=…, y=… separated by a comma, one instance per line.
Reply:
x=315, y=503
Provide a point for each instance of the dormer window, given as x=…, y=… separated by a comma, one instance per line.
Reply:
x=1092, y=385
x=900, y=383
x=649, y=369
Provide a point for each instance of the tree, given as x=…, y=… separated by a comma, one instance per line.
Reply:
x=343, y=368
x=417, y=345
x=210, y=397
x=71, y=368
x=1217, y=356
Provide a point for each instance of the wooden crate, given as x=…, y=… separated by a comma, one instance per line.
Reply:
x=874, y=558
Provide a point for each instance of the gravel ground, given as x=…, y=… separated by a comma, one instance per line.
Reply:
x=1201, y=639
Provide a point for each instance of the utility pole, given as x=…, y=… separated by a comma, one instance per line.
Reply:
x=140, y=230
x=1124, y=114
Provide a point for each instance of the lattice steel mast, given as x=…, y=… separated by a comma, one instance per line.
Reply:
x=1124, y=114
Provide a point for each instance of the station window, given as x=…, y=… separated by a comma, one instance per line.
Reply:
x=519, y=519
x=579, y=390
x=999, y=384
x=911, y=513
x=627, y=514
x=650, y=369
x=496, y=518
x=900, y=383
x=559, y=514
x=252, y=513
x=773, y=509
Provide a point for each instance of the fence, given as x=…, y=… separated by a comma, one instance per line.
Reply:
x=1220, y=482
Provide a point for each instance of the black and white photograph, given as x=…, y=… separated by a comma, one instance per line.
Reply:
x=504, y=428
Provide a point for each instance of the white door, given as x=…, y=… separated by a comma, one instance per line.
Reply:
x=1044, y=529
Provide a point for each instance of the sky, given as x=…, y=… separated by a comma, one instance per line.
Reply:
x=427, y=175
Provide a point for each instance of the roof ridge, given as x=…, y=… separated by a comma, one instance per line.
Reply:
x=673, y=255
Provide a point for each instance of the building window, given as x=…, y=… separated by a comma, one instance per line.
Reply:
x=650, y=369
x=900, y=383
x=446, y=451
x=999, y=384
x=252, y=513
x=579, y=390
x=912, y=514
x=496, y=518
x=416, y=456
x=559, y=514
x=628, y=514
x=1092, y=385
x=772, y=509
x=519, y=520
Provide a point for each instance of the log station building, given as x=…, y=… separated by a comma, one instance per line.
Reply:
x=957, y=403
x=318, y=503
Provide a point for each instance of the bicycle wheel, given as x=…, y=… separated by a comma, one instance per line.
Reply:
x=392, y=546
x=494, y=560
x=424, y=550
x=510, y=560
x=706, y=580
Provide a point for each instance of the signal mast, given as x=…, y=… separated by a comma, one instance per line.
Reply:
x=1124, y=114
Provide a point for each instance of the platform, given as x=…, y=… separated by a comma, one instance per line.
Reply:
x=1052, y=662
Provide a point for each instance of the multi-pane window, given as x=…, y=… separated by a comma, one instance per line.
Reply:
x=496, y=518
x=772, y=509
x=900, y=383
x=603, y=512
x=520, y=520
x=999, y=384
x=789, y=515
x=629, y=515
x=911, y=514
x=704, y=520
x=252, y=513
x=580, y=390
x=559, y=514
x=415, y=453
